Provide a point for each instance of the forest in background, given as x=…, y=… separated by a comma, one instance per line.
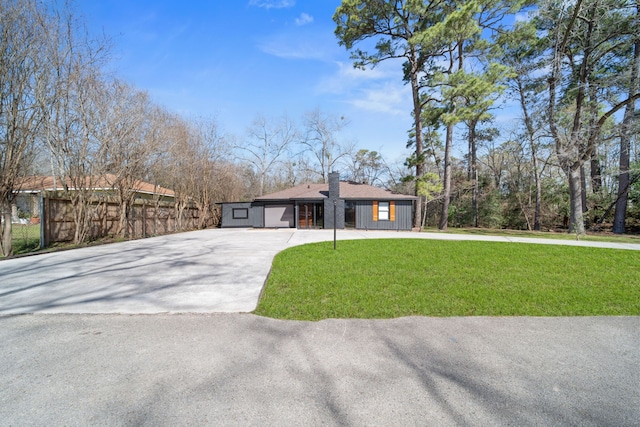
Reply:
x=569, y=161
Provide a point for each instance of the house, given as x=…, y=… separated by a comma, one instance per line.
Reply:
x=355, y=205
x=27, y=201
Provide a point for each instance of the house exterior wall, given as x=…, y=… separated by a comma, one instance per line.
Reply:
x=254, y=215
x=257, y=215
x=403, y=214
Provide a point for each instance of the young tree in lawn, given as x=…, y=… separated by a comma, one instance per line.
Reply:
x=428, y=187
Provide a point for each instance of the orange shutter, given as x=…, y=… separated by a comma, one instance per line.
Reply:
x=375, y=211
x=392, y=210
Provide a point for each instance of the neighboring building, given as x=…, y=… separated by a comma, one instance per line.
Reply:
x=28, y=198
x=357, y=205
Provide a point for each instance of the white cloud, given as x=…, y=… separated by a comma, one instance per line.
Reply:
x=302, y=44
x=292, y=49
x=272, y=4
x=304, y=19
x=379, y=89
x=389, y=98
x=348, y=77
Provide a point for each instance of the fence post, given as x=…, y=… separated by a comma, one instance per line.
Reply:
x=43, y=220
x=144, y=218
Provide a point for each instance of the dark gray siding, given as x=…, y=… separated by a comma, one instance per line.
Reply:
x=364, y=216
x=253, y=217
x=257, y=216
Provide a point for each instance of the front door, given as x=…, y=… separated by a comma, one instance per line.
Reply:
x=305, y=215
x=310, y=215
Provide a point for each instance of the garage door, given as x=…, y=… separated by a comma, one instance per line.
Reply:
x=278, y=216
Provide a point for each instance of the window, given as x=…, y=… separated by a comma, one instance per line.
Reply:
x=349, y=214
x=383, y=211
x=240, y=213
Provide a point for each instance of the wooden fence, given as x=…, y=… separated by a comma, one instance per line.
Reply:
x=144, y=219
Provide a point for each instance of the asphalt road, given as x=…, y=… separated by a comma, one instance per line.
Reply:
x=188, y=365
x=240, y=369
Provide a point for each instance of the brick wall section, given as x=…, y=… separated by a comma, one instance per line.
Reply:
x=334, y=196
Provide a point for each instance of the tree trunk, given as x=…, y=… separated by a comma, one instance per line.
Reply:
x=583, y=190
x=473, y=163
x=417, y=118
x=596, y=172
x=576, y=217
x=538, y=184
x=620, y=214
x=444, y=216
x=7, y=244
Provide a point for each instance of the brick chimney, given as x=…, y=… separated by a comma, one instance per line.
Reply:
x=334, y=185
x=334, y=200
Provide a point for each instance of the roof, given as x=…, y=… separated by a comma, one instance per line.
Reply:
x=349, y=190
x=104, y=182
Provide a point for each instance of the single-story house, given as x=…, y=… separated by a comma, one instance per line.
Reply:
x=27, y=200
x=355, y=205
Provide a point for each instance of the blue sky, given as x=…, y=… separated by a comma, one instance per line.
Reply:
x=234, y=59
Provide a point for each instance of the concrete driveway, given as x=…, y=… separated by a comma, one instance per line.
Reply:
x=201, y=271
x=198, y=272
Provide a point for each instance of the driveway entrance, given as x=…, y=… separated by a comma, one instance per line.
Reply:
x=201, y=271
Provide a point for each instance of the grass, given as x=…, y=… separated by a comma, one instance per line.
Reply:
x=558, y=235
x=405, y=277
x=25, y=238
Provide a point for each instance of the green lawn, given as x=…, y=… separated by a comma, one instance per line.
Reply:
x=557, y=235
x=405, y=277
x=25, y=238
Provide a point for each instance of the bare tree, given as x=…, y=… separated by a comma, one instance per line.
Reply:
x=69, y=101
x=212, y=171
x=267, y=142
x=23, y=29
x=320, y=139
x=127, y=141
